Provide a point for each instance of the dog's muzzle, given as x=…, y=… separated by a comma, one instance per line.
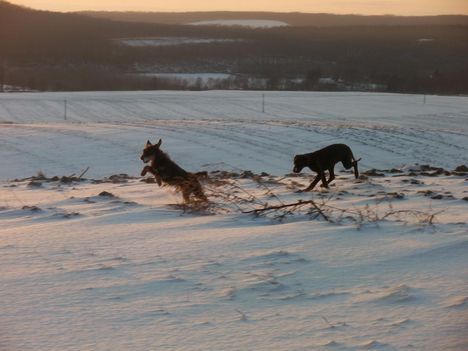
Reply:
x=297, y=169
x=144, y=159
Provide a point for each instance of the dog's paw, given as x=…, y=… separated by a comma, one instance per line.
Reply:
x=299, y=191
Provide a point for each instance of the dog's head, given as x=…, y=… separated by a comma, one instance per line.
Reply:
x=150, y=151
x=299, y=163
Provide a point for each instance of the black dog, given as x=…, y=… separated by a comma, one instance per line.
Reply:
x=168, y=172
x=325, y=159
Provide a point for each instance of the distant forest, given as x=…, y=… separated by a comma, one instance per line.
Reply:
x=49, y=51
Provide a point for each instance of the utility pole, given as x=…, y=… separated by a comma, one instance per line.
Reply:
x=263, y=103
x=424, y=99
x=65, y=109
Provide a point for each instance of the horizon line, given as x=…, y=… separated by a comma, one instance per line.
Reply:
x=241, y=11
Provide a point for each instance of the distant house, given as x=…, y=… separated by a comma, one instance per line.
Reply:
x=328, y=80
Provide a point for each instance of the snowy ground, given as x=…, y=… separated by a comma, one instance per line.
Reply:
x=171, y=41
x=243, y=23
x=133, y=271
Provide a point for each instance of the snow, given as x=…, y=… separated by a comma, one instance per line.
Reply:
x=425, y=40
x=386, y=130
x=258, y=23
x=171, y=41
x=134, y=272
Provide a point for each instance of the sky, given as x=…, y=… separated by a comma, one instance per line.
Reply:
x=366, y=7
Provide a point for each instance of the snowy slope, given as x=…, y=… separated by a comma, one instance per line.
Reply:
x=133, y=271
x=228, y=128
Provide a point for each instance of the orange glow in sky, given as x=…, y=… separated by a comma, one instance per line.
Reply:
x=367, y=7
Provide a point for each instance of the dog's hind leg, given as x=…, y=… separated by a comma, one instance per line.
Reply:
x=347, y=163
x=199, y=194
x=356, y=171
x=186, y=194
x=195, y=188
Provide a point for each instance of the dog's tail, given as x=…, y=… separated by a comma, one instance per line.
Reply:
x=355, y=165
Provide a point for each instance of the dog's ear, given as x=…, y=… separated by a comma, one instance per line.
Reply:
x=148, y=143
x=159, y=143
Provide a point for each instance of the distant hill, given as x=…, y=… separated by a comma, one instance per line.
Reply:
x=292, y=18
x=30, y=33
x=27, y=33
x=43, y=50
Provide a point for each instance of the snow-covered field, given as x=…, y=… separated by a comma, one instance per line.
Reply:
x=171, y=41
x=242, y=22
x=130, y=270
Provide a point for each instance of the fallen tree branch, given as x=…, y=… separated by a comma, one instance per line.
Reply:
x=319, y=210
x=428, y=217
x=83, y=173
x=268, y=208
x=294, y=205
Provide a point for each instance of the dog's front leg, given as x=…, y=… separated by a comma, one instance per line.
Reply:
x=312, y=185
x=332, y=175
x=324, y=179
x=145, y=170
x=153, y=172
x=158, y=178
